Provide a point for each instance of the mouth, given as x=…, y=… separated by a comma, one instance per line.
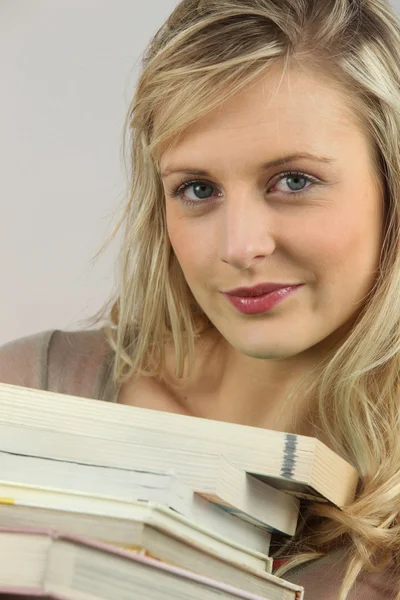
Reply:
x=256, y=301
x=259, y=290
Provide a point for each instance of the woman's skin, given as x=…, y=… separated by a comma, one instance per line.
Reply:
x=252, y=225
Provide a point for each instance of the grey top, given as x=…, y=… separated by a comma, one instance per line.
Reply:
x=77, y=363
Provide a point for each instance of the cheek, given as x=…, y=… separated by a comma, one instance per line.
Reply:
x=192, y=245
x=345, y=247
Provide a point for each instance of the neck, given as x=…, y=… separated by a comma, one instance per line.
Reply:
x=229, y=386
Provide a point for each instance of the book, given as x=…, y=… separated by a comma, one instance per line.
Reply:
x=48, y=424
x=51, y=563
x=157, y=529
x=261, y=504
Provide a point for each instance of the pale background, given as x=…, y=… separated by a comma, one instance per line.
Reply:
x=67, y=73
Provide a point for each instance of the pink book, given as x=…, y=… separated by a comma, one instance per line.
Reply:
x=44, y=563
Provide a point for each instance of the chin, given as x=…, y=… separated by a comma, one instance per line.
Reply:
x=264, y=350
x=268, y=353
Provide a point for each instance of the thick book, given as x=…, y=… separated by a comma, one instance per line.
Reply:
x=149, y=526
x=260, y=503
x=46, y=424
x=51, y=563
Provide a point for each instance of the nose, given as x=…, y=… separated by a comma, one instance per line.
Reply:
x=247, y=232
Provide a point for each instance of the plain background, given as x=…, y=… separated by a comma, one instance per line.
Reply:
x=67, y=70
x=67, y=74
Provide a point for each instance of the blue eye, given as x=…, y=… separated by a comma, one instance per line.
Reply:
x=296, y=179
x=204, y=190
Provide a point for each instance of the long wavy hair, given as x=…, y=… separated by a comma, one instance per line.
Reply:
x=206, y=51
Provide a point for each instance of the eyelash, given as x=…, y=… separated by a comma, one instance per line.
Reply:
x=178, y=191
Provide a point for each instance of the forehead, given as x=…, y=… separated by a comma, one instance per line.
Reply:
x=301, y=108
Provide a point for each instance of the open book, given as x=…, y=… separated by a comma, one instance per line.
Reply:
x=234, y=494
x=143, y=527
x=54, y=565
x=49, y=425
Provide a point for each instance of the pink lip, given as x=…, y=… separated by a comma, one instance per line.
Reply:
x=253, y=305
x=258, y=290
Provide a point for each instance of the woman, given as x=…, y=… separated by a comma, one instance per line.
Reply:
x=260, y=272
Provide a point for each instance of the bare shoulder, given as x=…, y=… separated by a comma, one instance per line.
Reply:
x=171, y=394
x=24, y=361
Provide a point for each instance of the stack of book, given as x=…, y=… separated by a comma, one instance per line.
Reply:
x=100, y=500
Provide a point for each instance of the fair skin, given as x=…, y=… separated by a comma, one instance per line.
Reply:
x=251, y=226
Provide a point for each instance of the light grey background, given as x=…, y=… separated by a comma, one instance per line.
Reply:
x=67, y=73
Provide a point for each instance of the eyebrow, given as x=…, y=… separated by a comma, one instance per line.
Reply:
x=268, y=165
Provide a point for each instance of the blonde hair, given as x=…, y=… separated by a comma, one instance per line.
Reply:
x=205, y=52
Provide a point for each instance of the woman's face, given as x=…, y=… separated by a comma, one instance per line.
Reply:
x=240, y=224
